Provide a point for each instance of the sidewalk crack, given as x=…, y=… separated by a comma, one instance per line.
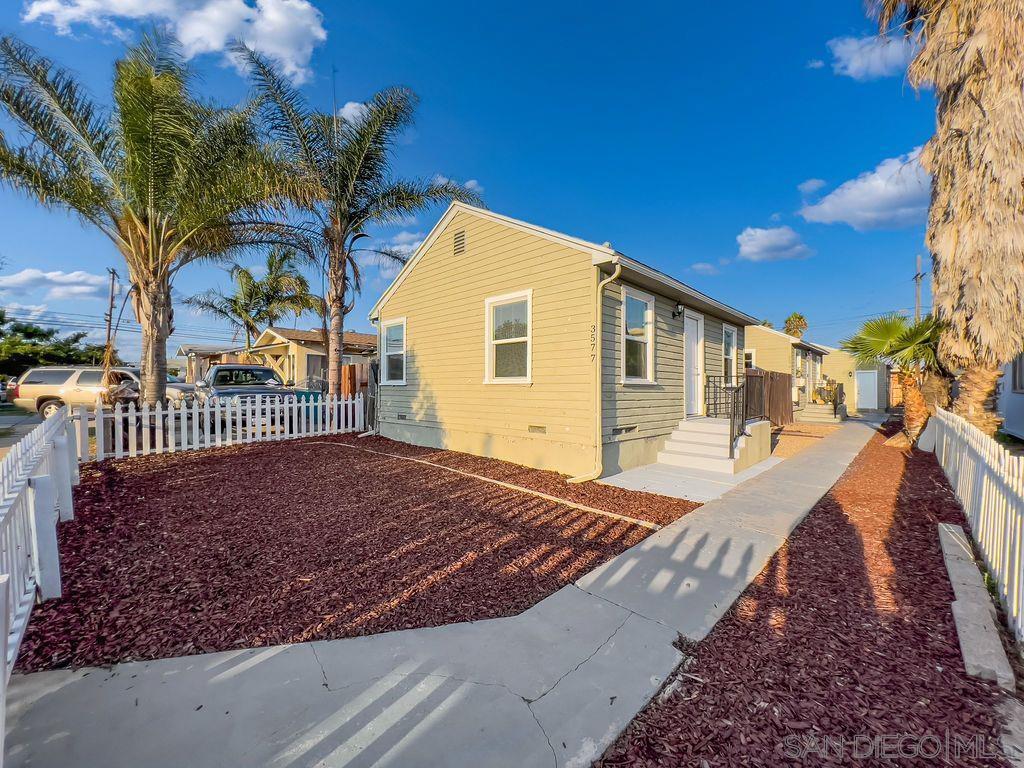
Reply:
x=594, y=653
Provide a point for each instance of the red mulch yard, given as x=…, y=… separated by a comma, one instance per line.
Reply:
x=294, y=541
x=846, y=634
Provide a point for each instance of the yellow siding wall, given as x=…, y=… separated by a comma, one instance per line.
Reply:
x=445, y=402
x=774, y=353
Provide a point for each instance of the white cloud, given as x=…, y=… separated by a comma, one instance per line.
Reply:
x=704, y=268
x=26, y=311
x=810, y=186
x=472, y=184
x=57, y=285
x=815, y=64
x=353, y=111
x=286, y=31
x=772, y=244
x=871, y=57
x=894, y=195
x=406, y=238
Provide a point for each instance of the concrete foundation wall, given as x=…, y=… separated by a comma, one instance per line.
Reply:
x=755, y=447
x=564, y=457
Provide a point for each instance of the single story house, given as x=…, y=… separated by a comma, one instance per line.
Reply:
x=1011, y=397
x=504, y=339
x=300, y=356
x=773, y=350
x=866, y=387
x=297, y=355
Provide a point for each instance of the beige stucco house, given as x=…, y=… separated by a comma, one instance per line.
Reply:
x=866, y=387
x=505, y=339
x=773, y=350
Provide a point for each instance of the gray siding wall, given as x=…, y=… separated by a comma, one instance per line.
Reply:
x=652, y=411
x=645, y=410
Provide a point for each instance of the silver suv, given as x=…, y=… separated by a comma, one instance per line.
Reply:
x=46, y=388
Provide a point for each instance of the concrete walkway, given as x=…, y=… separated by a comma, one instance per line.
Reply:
x=552, y=686
x=701, y=485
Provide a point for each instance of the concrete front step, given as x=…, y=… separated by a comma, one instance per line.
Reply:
x=704, y=426
x=689, y=460
x=699, y=438
x=719, y=449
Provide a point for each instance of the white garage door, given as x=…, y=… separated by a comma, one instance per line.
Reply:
x=867, y=390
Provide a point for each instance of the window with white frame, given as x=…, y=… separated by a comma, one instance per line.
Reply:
x=637, y=337
x=508, y=338
x=394, y=352
x=750, y=358
x=729, y=346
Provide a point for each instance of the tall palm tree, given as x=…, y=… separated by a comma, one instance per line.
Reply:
x=168, y=179
x=911, y=348
x=344, y=167
x=971, y=51
x=257, y=302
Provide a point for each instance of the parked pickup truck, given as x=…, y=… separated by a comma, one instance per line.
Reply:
x=242, y=384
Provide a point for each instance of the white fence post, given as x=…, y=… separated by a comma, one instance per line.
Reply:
x=45, y=554
x=62, y=477
x=71, y=450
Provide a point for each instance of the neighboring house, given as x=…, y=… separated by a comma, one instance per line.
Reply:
x=866, y=387
x=1011, y=398
x=773, y=350
x=488, y=346
x=199, y=358
x=298, y=356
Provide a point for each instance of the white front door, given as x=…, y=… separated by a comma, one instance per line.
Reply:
x=694, y=363
x=867, y=389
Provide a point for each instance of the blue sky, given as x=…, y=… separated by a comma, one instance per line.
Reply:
x=762, y=152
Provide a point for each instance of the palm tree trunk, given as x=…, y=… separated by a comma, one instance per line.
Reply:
x=976, y=400
x=155, y=301
x=335, y=346
x=915, y=409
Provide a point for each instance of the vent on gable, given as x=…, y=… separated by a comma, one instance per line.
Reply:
x=460, y=242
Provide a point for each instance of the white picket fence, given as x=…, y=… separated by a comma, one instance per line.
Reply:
x=125, y=432
x=989, y=482
x=36, y=478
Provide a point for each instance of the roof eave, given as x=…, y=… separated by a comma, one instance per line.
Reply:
x=670, y=283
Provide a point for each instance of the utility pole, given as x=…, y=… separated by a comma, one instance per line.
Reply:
x=109, y=316
x=918, y=277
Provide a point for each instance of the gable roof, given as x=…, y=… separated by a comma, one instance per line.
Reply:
x=796, y=340
x=315, y=336
x=600, y=255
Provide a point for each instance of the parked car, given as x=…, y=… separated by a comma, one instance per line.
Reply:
x=243, y=384
x=46, y=388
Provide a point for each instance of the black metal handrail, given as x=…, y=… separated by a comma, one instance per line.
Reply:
x=740, y=399
x=724, y=397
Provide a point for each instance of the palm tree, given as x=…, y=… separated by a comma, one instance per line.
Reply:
x=257, y=302
x=168, y=179
x=970, y=52
x=241, y=308
x=283, y=288
x=911, y=348
x=344, y=169
x=795, y=325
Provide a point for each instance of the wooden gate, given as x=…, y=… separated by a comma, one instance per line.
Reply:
x=773, y=393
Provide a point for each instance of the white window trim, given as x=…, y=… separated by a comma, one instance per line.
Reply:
x=384, y=348
x=735, y=349
x=489, y=304
x=651, y=378
x=753, y=357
